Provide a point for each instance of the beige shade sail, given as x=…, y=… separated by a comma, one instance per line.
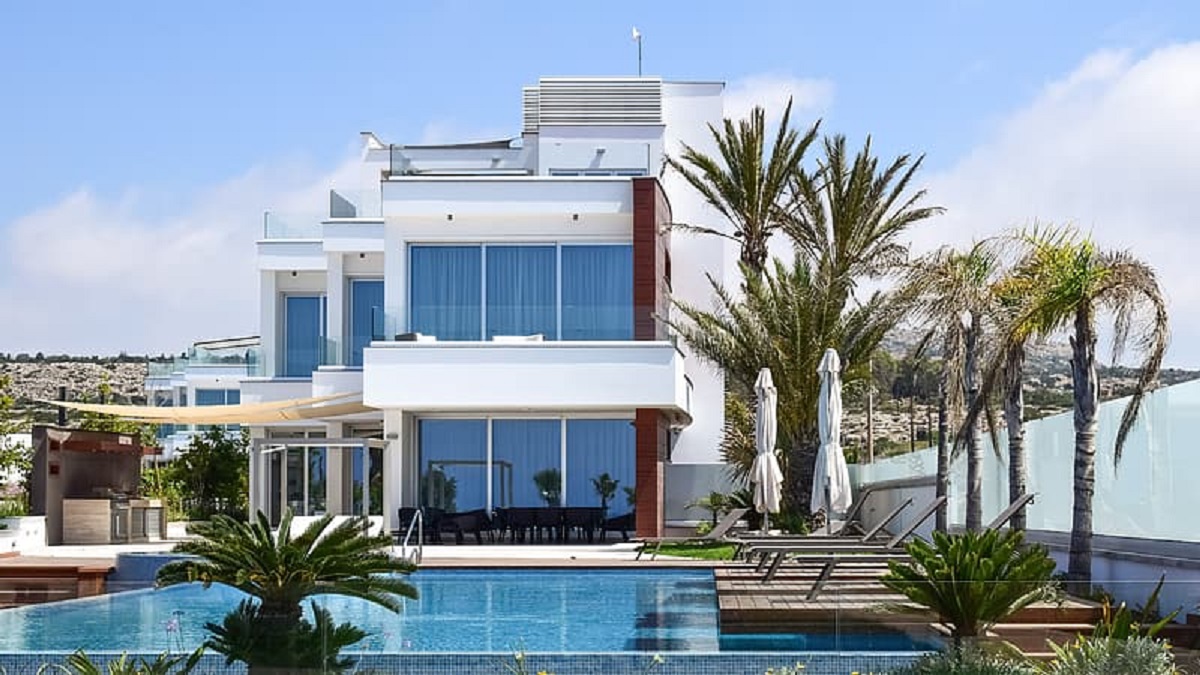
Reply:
x=268, y=416
x=244, y=413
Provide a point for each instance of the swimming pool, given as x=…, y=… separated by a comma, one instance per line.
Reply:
x=465, y=612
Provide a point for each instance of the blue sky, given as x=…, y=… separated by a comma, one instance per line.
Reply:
x=145, y=112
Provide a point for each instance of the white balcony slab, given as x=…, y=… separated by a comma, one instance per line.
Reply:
x=267, y=389
x=530, y=376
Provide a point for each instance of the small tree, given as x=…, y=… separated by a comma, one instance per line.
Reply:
x=549, y=485
x=15, y=457
x=212, y=476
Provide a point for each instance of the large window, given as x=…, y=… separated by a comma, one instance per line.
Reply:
x=597, y=293
x=453, y=456
x=366, y=317
x=525, y=462
x=596, y=447
x=445, y=291
x=521, y=295
x=303, y=338
x=567, y=292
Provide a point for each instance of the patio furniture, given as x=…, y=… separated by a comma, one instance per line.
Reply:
x=746, y=544
x=623, y=523
x=716, y=534
x=1007, y=514
x=582, y=521
x=548, y=521
x=475, y=522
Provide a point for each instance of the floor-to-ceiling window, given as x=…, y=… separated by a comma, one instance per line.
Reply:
x=597, y=293
x=304, y=321
x=597, y=447
x=446, y=291
x=521, y=291
x=366, y=317
x=525, y=460
x=478, y=292
x=453, y=456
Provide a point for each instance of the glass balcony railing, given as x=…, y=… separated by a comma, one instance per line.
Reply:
x=472, y=324
x=291, y=226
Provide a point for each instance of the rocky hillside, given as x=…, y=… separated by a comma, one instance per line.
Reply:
x=32, y=381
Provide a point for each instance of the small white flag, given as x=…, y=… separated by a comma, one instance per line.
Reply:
x=637, y=34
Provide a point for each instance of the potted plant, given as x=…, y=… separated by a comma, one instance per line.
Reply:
x=549, y=485
x=606, y=487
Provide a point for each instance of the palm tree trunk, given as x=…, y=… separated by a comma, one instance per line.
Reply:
x=974, y=521
x=1087, y=398
x=802, y=469
x=942, y=485
x=1014, y=411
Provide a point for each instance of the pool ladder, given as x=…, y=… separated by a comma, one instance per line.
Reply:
x=417, y=525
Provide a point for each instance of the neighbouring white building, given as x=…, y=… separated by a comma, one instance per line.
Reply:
x=209, y=373
x=499, y=307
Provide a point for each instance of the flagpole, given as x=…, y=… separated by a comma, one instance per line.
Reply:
x=637, y=37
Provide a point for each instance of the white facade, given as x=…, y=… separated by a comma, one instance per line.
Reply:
x=566, y=184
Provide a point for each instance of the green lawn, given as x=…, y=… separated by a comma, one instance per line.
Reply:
x=700, y=550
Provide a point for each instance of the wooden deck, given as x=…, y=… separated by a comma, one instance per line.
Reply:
x=853, y=601
x=27, y=580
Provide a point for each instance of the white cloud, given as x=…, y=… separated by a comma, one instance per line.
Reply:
x=1112, y=147
x=100, y=274
x=771, y=91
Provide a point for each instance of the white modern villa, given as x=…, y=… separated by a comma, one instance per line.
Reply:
x=485, y=312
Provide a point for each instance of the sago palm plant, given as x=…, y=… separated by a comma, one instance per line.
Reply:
x=280, y=571
x=974, y=579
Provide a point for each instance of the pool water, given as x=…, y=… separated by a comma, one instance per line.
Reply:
x=458, y=611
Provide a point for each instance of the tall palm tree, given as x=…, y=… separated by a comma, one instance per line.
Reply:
x=952, y=291
x=745, y=183
x=849, y=214
x=1072, y=282
x=280, y=571
x=779, y=321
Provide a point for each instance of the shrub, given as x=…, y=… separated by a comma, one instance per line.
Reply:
x=1100, y=656
x=974, y=579
x=969, y=661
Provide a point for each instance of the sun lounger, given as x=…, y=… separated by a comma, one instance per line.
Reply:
x=716, y=534
x=746, y=544
x=1006, y=515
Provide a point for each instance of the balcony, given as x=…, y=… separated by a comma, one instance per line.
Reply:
x=526, y=376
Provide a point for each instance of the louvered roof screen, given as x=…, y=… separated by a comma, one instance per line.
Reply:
x=593, y=102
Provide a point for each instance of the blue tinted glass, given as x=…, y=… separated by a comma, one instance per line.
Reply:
x=445, y=291
x=453, y=460
x=366, y=316
x=522, y=451
x=210, y=397
x=597, y=292
x=595, y=447
x=302, y=337
x=521, y=293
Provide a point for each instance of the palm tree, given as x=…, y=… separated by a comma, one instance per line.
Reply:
x=780, y=321
x=953, y=291
x=1071, y=282
x=743, y=182
x=280, y=571
x=848, y=215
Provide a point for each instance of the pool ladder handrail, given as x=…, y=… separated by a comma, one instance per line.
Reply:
x=417, y=524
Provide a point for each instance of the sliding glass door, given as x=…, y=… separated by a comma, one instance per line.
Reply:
x=303, y=336
x=522, y=463
x=366, y=317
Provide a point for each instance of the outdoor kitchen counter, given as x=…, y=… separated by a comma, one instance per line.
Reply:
x=108, y=521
